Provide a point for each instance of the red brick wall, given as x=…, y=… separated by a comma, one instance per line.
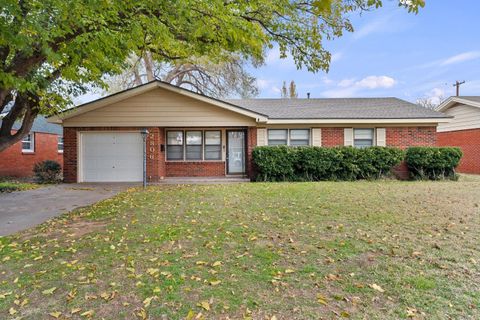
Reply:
x=155, y=166
x=469, y=142
x=404, y=137
x=14, y=163
x=251, y=143
x=195, y=168
x=332, y=137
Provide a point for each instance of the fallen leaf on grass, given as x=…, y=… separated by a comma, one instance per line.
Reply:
x=141, y=314
x=87, y=314
x=12, y=311
x=49, y=291
x=215, y=282
x=376, y=287
x=205, y=305
x=322, y=299
x=55, y=314
x=75, y=310
x=217, y=263
x=148, y=301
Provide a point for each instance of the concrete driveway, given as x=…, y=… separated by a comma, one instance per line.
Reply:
x=25, y=209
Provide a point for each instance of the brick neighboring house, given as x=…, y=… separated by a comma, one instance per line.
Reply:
x=463, y=131
x=194, y=135
x=44, y=142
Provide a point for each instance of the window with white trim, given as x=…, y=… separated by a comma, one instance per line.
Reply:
x=194, y=145
x=299, y=137
x=213, y=145
x=175, y=145
x=28, y=143
x=277, y=137
x=193, y=149
x=363, y=138
x=290, y=137
x=60, y=143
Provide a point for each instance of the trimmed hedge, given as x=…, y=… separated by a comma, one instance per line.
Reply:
x=432, y=163
x=283, y=163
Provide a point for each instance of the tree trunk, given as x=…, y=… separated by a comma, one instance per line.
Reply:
x=147, y=57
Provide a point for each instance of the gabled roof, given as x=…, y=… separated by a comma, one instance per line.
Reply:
x=344, y=110
x=338, y=108
x=122, y=95
x=40, y=124
x=473, y=101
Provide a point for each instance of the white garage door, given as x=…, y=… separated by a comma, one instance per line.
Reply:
x=112, y=157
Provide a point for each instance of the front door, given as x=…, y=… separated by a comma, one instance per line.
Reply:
x=236, y=151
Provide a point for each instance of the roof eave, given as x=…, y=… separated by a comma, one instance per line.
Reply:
x=360, y=121
x=450, y=102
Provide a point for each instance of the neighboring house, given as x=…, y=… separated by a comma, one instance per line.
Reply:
x=194, y=135
x=463, y=131
x=44, y=142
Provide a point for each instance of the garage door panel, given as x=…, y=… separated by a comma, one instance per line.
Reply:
x=112, y=157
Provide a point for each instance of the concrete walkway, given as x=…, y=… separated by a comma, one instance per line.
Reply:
x=25, y=209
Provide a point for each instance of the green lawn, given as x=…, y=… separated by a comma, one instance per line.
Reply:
x=14, y=185
x=360, y=250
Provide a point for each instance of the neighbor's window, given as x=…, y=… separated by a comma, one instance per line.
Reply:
x=363, y=138
x=213, y=145
x=194, y=145
x=60, y=143
x=28, y=143
x=277, y=137
x=299, y=137
x=175, y=145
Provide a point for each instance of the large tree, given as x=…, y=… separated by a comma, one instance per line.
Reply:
x=52, y=50
x=227, y=78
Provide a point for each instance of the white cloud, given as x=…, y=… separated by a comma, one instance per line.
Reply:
x=462, y=57
x=374, y=82
x=351, y=87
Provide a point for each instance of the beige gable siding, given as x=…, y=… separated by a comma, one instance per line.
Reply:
x=160, y=108
x=465, y=117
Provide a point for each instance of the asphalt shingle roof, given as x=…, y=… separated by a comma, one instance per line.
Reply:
x=337, y=108
x=41, y=125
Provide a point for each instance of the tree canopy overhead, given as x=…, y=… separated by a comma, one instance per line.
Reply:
x=51, y=50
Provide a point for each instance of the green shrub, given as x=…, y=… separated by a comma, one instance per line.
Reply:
x=433, y=163
x=282, y=163
x=48, y=171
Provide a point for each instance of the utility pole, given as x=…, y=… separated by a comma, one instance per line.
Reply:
x=458, y=84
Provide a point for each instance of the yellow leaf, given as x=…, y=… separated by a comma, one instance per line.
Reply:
x=217, y=264
x=190, y=315
x=345, y=314
x=200, y=263
x=142, y=314
x=205, y=305
x=75, y=310
x=12, y=311
x=215, y=282
x=16, y=280
x=49, y=291
x=3, y=295
x=55, y=314
x=289, y=271
x=322, y=299
x=24, y=302
x=156, y=290
x=88, y=314
x=148, y=301
x=376, y=287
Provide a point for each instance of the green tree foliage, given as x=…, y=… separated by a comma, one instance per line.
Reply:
x=51, y=50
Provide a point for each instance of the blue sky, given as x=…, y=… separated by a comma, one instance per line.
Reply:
x=392, y=53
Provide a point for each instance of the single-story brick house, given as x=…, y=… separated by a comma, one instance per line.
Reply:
x=463, y=131
x=194, y=135
x=44, y=142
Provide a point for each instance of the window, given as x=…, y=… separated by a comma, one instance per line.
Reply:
x=292, y=137
x=363, y=138
x=277, y=137
x=175, y=145
x=60, y=144
x=299, y=137
x=28, y=143
x=213, y=145
x=194, y=145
